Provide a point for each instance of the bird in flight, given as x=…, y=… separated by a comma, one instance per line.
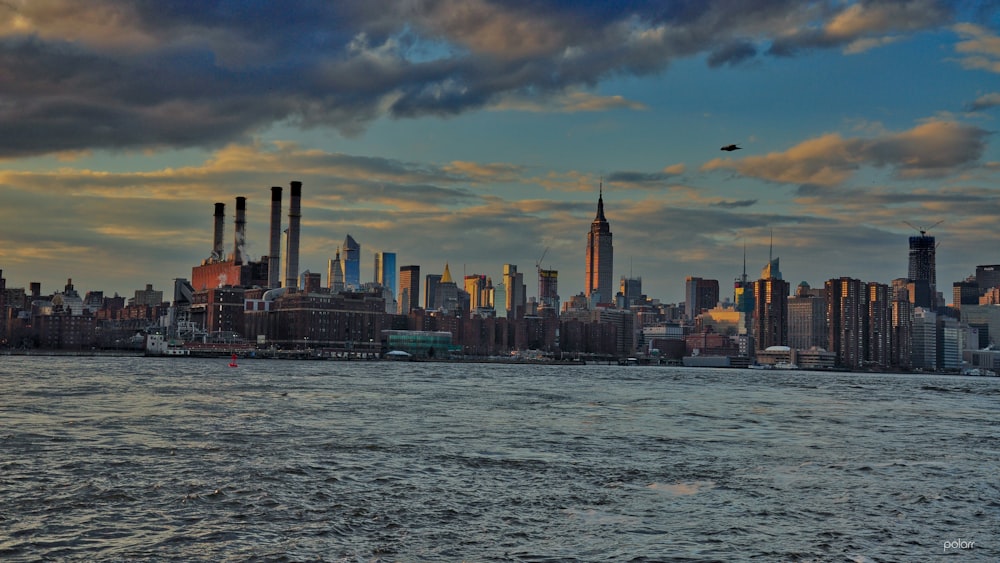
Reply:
x=731, y=148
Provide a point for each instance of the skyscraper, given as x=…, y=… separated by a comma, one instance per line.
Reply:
x=409, y=288
x=600, y=257
x=385, y=270
x=699, y=295
x=515, y=298
x=845, y=307
x=770, y=313
x=335, y=275
x=548, y=290
x=352, y=263
x=922, y=270
x=430, y=291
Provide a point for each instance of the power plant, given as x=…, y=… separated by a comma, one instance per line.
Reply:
x=237, y=269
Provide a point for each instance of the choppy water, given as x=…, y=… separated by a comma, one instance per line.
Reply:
x=185, y=459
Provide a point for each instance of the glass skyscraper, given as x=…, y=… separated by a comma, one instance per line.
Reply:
x=352, y=263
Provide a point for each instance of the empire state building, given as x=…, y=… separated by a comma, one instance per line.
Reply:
x=600, y=257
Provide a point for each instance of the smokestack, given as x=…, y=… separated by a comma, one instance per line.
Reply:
x=274, y=254
x=241, y=230
x=218, y=247
x=292, y=252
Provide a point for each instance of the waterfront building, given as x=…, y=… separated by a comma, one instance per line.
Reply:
x=923, y=352
x=845, y=306
x=770, y=313
x=807, y=326
x=902, y=324
x=600, y=257
x=878, y=324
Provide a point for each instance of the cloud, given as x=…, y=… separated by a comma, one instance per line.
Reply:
x=861, y=26
x=979, y=47
x=932, y=149
x=986, y=101
x=149, y=75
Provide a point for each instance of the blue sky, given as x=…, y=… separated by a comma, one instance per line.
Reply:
x=477, y=132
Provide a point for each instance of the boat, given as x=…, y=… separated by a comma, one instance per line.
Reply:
x=760, y=366
x=785, y=365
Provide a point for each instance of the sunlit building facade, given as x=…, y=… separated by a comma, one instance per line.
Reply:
x=600, y=258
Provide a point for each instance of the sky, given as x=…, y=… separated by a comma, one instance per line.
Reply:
x=479, y=132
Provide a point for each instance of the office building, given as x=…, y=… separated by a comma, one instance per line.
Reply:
x=430, y=291
x=515, y=292
x=987, y=277
x=922, y=270
x=699, y=295
x=409, y=288
x=600, y=257
x=352, y=263
x=385, y=270
x=335, y=274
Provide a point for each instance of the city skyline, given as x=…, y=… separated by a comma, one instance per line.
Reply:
x=482, y=141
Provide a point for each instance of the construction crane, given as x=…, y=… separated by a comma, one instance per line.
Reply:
x=922, y=231
x=538, y=263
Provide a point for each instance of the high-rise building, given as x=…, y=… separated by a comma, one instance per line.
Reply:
x=807, y=320
x=878, y=326
x=902, y=324
x=631, y=290
x=600, y=257
x=475, y=286
x=446, y=293
x=845, y=309
x=430, y=291
x=335, y=274
x=548, y=290
x=965, y=293
x=352, y=263
x=770, y=313
x=515, y=292
x=922, y=270
x=987, y=277
x=409, y=288
x=923, y=353
x=385, y=271
x=699, y=295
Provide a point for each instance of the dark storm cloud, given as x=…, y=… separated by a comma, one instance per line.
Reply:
x=149, y=74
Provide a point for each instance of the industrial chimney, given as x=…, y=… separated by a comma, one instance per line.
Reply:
x=218, y=247
x=241, y=230
x=292, y=251
x=274, y=254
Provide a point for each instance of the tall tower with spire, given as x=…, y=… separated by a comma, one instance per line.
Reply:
x=600, y=257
